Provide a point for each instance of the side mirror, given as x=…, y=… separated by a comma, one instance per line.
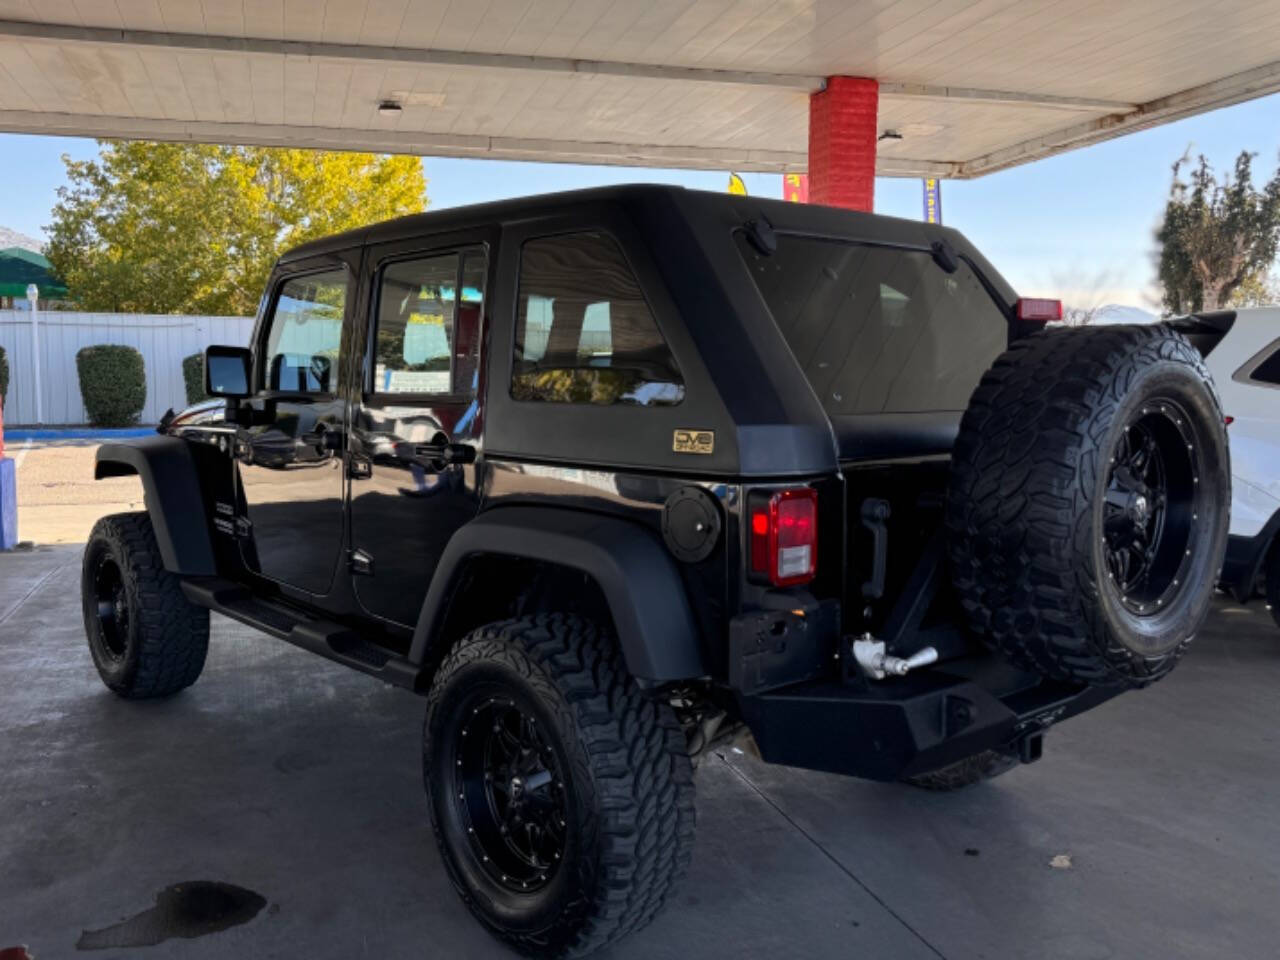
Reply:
x=226, y=372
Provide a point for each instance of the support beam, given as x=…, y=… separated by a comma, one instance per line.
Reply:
x=424, y=143
x=393, y=56
x=1008, y=98
x=438, y=144
x=842, y=143
x=1237, y=88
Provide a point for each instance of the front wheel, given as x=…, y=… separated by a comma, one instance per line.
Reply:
x=561, y=797
x=146, y=638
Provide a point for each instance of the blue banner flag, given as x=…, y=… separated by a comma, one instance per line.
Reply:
x=932, y=200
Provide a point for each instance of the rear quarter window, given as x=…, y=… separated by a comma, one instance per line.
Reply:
x=584, y=331
x=879, y=329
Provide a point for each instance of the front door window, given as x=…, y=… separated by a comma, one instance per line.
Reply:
x=290, y=457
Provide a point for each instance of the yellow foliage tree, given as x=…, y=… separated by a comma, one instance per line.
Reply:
x=195, y=228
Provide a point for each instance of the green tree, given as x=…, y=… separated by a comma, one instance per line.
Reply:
x=1260, y=290
x=195, y=228
x=1216, y=235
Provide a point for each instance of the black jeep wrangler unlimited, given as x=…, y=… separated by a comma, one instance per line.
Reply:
x=614, y=477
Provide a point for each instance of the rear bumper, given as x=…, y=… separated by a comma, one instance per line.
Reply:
x=904, y=726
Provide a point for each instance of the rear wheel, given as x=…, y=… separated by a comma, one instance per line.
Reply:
x=561, y=796
x=146, y=638
x=967, y=772
x=1089, y=501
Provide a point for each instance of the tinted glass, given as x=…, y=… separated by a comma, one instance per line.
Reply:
x=228, y=374
x=584, y=333
x=305, y=336
x=466, y=372
x=1268, y=371
x=877, y=329
x=417, y=309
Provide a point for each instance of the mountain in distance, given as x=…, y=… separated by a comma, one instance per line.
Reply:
x=1117, y=313
x=12, y=238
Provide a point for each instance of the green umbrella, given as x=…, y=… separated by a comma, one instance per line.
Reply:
x=19, y=267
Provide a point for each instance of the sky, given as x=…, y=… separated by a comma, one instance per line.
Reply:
x=1077, y=226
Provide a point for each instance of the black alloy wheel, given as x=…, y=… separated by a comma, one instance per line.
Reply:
x=1150, y=508
x=510, y=791
x=146, y=638
x=561, y=795
x=1089, y=502
x=112, y=606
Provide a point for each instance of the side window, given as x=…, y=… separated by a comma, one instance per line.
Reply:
x=466, y=349
x=428, y=324
x=584, y=333
x=1268, y=371
x=305, y=335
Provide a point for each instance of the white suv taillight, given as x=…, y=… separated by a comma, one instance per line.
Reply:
x=1038, y=310
x=784, y=536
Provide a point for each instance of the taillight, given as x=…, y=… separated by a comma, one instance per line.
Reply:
x=1033, y=310
x=1228, y=421
x=784, y=536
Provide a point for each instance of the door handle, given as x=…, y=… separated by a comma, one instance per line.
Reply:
x=448, y=454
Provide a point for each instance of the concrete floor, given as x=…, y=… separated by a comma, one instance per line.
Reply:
x=58, y=499
x=299, y=780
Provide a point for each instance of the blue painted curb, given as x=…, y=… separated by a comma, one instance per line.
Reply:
x=77, y=433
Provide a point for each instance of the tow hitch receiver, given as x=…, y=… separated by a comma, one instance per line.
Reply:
x=1031, y=747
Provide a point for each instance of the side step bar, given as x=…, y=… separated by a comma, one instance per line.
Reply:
x=330, y=640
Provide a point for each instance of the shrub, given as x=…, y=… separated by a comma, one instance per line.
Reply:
x=193, y=377
x=4, y=376
x=113, y=384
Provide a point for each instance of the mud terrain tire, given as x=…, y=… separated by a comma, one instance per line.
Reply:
x=1088, y=503
x=146, y=638
x=612, y=761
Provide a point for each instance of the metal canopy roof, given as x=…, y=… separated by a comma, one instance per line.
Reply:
x=971, y=85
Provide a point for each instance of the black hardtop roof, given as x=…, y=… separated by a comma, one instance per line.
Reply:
x=822, y=220
x=451, y=218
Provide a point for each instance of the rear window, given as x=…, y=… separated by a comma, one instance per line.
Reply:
x=878, y=329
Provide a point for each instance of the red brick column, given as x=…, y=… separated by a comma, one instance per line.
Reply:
x=842, y=143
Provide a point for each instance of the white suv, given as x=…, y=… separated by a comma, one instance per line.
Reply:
x=1242, y=349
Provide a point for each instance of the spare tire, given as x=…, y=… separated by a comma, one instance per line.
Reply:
x=1088, y=503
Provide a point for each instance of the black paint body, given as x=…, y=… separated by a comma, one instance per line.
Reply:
x=375, y=529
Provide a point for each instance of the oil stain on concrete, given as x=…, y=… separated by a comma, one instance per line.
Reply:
x=185, y=910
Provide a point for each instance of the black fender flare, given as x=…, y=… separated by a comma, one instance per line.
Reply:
x=655, y=625
x=171, y=485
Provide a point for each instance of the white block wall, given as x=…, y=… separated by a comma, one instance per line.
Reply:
x=162, y=340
